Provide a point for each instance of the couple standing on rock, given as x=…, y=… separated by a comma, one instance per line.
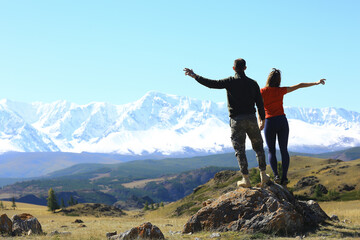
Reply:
x=242, y=95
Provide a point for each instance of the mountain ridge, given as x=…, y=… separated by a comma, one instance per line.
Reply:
x=158, y=123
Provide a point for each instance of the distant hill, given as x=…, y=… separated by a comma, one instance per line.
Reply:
x=108, y=189
x=345, y=155
x=127, y=171
x=8, y=181
x=40, y=164
x=104, y=183
x=36, y=164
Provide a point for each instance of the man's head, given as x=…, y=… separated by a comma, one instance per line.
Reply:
x=239, y=65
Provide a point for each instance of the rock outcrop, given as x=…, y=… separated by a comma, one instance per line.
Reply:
x=144, y=231
x=272, y=209
x=5, y=225
x=306, y=181
x=25, y=222
x=93, y=209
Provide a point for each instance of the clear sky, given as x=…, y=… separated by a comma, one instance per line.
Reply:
x=116, y=51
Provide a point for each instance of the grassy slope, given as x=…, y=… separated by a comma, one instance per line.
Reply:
x=306, y=166
x=300, y=167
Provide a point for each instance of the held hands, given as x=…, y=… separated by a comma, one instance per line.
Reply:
x=189, y=72
x=261, y=124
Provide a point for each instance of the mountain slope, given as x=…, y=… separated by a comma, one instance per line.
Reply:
x=158, y=124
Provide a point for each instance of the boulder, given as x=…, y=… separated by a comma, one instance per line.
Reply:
x=306, y=181
x=94, y=209
x=110, y=234
x=24, y=222
x=144, y=231
x=272, y=209
x=78, y=221
x=334, y=218
x=5, y=224
x=55, y=233
x=345, y=187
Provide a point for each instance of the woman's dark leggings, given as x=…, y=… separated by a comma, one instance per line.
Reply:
x=278, y=126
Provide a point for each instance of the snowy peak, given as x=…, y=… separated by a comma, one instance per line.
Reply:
x=157, y=123
x=324, y=116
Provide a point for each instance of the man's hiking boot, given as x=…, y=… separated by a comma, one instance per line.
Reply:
x=245, y=182
x=264, y=178
x=277, y=179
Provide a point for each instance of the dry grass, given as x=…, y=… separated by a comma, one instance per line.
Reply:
x=348, y=211
x=142, y=183
x=96, y=227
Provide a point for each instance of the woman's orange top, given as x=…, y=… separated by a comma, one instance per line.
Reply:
x=273, y=100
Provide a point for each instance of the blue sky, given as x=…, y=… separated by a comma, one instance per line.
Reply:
x=116, y=51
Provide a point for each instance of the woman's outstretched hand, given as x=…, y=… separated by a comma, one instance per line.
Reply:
x=189, y=72
x=321, y=81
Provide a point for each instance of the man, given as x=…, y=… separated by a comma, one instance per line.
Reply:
x=242, y=95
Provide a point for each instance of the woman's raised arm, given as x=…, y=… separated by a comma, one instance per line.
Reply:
x=304, y=85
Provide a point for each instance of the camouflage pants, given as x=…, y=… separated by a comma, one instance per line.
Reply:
x=240, y=126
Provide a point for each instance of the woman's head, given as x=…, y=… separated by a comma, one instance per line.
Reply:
x=274, y=78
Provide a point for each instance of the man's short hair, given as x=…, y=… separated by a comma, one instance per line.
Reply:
x=239, y=65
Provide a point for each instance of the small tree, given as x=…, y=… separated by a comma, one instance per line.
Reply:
x=13, y=205
x=318, y=193
x=161, y=204
x=1, y=205
x=51, y=201
x=333, y=195
x=62, y=203
x=146, y=206
x=71, y=202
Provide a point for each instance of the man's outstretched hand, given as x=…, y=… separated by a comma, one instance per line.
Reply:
x=189, y=72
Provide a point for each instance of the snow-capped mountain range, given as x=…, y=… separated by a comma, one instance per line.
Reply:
x=158, y=124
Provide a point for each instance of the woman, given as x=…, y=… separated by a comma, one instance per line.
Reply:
x=276, y=123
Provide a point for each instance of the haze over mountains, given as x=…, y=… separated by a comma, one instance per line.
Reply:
x=158, y=124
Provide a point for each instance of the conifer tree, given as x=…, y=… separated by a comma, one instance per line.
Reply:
x=1, y=205
x=162, y=204
x=146, y=206
x=62, y=204
x=13, y=203
x=71, y=201
x=51, y=201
